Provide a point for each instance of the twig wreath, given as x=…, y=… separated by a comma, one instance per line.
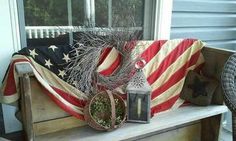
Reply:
x=86, y=52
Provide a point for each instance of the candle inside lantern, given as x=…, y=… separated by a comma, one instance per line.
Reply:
x=139, y=108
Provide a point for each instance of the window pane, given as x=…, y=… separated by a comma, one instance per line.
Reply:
x=45, y=12
x=77, y=12
x=127, y=13
x=48, y=19
x=101, y=13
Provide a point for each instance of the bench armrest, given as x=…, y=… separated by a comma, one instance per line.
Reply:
x=24, y=69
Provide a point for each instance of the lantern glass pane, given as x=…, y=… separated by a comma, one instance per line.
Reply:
x=138, y=107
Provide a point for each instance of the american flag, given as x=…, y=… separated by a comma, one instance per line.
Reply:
x=168, y=62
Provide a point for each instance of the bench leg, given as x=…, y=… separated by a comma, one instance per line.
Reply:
x=210, y=128
x=26, y=107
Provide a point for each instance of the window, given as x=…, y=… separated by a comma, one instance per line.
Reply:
x=47, y=19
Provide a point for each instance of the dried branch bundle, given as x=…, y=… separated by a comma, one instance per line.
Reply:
x=86, y=53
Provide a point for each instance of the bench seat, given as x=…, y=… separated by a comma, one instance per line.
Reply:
x=132, y=131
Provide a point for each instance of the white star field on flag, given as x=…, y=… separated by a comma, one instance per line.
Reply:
x=33, y=53
x=66, y=57
x=53, y=47
x=48, y=63
x=61, y=73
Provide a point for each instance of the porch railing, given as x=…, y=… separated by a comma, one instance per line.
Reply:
x=35, y=32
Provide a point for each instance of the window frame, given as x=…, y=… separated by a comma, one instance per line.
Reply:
x=157, y=18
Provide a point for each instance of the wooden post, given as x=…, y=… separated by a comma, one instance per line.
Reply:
x=24, y=72
x=215, y=60
x=22, y=103
x=27, y=105
x=210, y=128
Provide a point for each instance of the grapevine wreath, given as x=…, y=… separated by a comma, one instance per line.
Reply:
x=86, y=54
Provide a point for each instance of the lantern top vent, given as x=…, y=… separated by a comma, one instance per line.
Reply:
x=138, y=83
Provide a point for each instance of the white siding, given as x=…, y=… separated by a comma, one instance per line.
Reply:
x=213, y=21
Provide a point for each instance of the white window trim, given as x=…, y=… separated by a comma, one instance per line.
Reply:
x=21, y=22
x=13, y=9
x=69, y=11
x=157, y=19
x=13, y=44
x=89, y=12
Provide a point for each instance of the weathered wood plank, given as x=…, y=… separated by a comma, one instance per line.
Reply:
x=22, y=105
x=211, y=128
x=24, y=68
x=43, y=108
x=50, y=126
x=214, y=63
x=158, y=123
x=27, y=107
x=187, y=133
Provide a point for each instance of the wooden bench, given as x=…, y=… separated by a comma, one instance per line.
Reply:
x=43, y=120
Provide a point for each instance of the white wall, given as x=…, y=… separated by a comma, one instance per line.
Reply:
x=9, y=43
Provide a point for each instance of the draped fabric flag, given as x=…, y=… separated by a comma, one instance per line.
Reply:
x=168, y=62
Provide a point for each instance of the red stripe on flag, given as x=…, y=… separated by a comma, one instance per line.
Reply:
x=170, y=59
x=177, y=76
x=10, y=88
x=113, y=67
x=104, y=54
x=152, y=50
x=164, y=106
x=66, y=108
x=71, y=99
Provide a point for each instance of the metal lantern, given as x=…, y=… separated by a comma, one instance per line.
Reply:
x=138, y=97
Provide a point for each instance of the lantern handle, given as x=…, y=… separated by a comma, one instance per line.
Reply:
x=113, y=113
x=140, y=63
